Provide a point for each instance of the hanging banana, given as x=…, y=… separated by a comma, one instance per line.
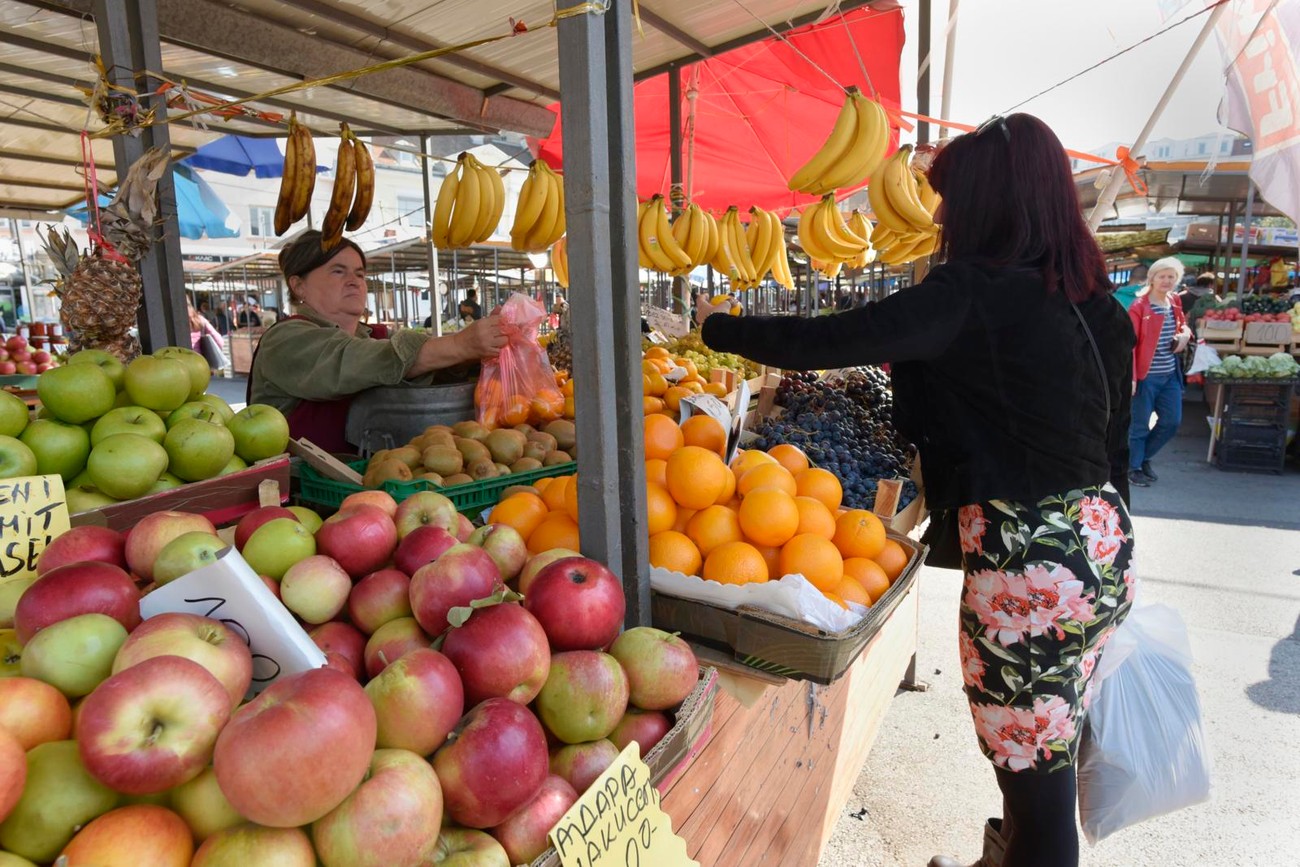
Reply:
x=851, y=153
x=345, y=181
x=560, y=261
x=539, y=215
x=469, y=205
x=298, y=181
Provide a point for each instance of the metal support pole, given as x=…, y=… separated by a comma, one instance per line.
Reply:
x=949, y=54
x=1245, y=239
x=128, y=43
x=596, y=109
x=676, y=193
x=923, y=70
x=435, y=302
x=24, y=294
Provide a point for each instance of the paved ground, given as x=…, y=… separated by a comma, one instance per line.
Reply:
x=1223, y=548
x=230, y=389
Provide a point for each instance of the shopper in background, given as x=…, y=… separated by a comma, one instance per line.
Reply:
x=1128, y=293
x=205, y=339
x=1162, y=335
x=469, y=309
x=1197, y=299
x=1012, y=372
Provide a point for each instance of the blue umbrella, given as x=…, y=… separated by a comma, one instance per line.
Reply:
x=239, y=155
x=199, y=210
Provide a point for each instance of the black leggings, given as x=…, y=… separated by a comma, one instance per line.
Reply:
x=1038, y=818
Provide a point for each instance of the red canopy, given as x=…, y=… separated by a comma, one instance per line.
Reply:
x=762, y=110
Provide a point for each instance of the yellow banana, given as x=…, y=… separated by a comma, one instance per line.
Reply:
x=780, y=256
x=808, y=239
x=647, y=232
x=543, y=233
x=475, y=173
x=840, y=247
x=864, y=153
x=900, y=189
x=929, y=196
x=728, y=261
x=744, y=261
x=697, y=237
x=364, y=196
x=345, y=180
x=832, y=152
x=843, y=234
x=532, y=198
x=642, y=259
x=761, y=240
x=715, y=238
x=882, y=206
x=667, y=242
x=681, y=228
x=440, y=227
x=561, y=224
x=288, y=179
x=464, y=219
x=560, y=261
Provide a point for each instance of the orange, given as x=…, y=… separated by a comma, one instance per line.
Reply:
x=728, y=489
x=571, y=498
x=769, y=517
x=814, y=558
x=820, y=485
x=772, y=557
x=836, y=598
x=693, y=385
x=656, y=352
x=651, y=404
x=523, y=511
x=558, y=530
x=766, y=476
x=746, y=460
x=662, y=436
x=815, y=518
x=553, y=496
x=790, y=457
x=893, y=558
x=567, y=388
x=654, y=384
x=713, y=526
x=655, y=471
x=541, y=484
x=648, y=367
x=851, y=591
x=683, y=519
x=867, y=573
x=716, y=389
x=570, y=408
x=672, y=550
x=696, y=477
x=858, y=533
x=516, y=410
x=673, y=397
x=661, y=511
x=689, y=366
x=706, y=432
x=735, y=563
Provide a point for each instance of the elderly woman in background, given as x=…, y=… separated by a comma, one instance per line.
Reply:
x=1162, y=334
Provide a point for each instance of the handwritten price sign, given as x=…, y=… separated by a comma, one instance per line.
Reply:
x=33, y=512
x=617, y=821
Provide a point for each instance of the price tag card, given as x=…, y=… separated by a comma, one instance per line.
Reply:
x=666, y=322
x=33, y=513
x=617, y=821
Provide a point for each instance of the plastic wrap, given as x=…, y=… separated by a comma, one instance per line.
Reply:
x=518, y=385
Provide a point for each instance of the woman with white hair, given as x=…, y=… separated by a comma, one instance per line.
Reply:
x=1162, y=334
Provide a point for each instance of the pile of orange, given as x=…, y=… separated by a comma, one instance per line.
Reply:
x=662, y=395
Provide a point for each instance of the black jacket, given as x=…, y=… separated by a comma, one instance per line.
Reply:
x=994, y=379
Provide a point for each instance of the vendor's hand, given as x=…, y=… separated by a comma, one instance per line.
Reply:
x=483, y=337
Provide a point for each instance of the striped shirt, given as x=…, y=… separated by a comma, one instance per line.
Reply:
x=1164, y=360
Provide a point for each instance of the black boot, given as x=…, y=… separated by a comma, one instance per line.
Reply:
x=994, y=849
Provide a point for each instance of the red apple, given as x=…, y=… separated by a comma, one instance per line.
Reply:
x=200, y=803
x=646, y=727
x=581, y=764
x=15, y=343
x=257, y=518
x=464, y=528
x=22, y=356
x=208, y=642
x=391, y=819
x=247, y=844
x=418, y=699
x=13, y=772
x=33, y=711
x=78, y=588
x=379, y=499
x=500, y=651
x=494, y=763
x=504, y=545
x=296, y=751
x=584, y=697
x=362, y=539
x=467, y=847
x=391, y=642
x=131, y=836
x=152, y=726
x=79, y=544
x=661, y=667
x=523, y=835
x=26, y=368
x=148, y=537
x=579, y=603
x=315, y=589
x=8, y=368
x=41, y=368
x=378, y=598
x=422, y=546
x=462, y=574
x=40, y=356
x=344, y=640
x=538, y=562
x=425, y=509
x=4, y=354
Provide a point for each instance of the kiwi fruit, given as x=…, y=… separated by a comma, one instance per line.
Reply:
x=437, y=429
x=564, y=432
x=523, y=465
x=428, y=440
x=524, y=428
x=407, y=455
x=544, y=439
x=445, y=460
x=502, y=469
x=431, y=477
x=470, y=430
x=482, y=469
x=556, y=457
x=473, y=450
x=506, y=446
x=520, y=489
x=536, y=451
x=385, y=470
x=457, y=479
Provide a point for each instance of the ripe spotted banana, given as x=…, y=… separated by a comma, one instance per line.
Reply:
x=364, y=196
x=299, y=179
x=345, y=180
x=288, y=179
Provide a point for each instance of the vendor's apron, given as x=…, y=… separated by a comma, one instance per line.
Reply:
x=321, y=421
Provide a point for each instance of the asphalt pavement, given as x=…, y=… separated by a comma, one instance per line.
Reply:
x=1224, y=549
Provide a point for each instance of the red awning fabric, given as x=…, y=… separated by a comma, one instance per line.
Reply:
x=762, y=110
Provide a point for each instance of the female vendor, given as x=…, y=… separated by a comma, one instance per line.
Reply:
x=312, y=364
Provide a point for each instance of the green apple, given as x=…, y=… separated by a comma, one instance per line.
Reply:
x=9, y=859
x=260, y=431
x=16, y=458
x=11, y=657
x=166, y=482
x=222, y=407
x=234, y=465
x=203, y=807
x=11, y=587
x=161, y=384
x=125, y=466
x=195, y=365
x=76, y=392
x=60, y=448
x=198, y=450
x=60, y=797
x=123, y=399
x=14, y=414
x=307, y=518
x=128, y=419
x=107, y=361
x=277, y=545
x=200, y=409
x=87, y=499
x=75, y=655
x=184, y=554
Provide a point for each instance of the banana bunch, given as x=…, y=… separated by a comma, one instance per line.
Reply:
x=900, y=248
x=298, y=181
x=860, y=226
x=354, y=190
x=469, y=205
x=829, y=270
x=733, y=257
x=696, y=232
x=766, y=240
x=854, y=150
x=539, y=216
x=826, y=237
x=560, y=261
x=904, y=204
x=658, y=247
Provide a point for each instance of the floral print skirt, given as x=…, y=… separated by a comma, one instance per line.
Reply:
x=1046, y=584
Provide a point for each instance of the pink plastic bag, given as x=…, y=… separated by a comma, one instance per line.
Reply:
x=518, y=385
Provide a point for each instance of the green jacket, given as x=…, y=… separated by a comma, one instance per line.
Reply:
x=1126, y=295
x=313, y=359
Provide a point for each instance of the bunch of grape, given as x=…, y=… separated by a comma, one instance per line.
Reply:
x=845, y=426
x=692, y=347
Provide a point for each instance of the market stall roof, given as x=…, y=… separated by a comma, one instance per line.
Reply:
x=1188, y=187
x=229, y=51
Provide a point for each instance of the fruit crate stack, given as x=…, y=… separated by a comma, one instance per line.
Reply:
x=1253, y=432
x=1221, y=335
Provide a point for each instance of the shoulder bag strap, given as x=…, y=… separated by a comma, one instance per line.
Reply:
x=1096, y=355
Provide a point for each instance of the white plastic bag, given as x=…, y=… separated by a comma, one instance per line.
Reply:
x=1204, y=359
x=1144, y=751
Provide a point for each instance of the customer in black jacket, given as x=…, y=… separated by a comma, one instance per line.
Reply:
x=1022, y=430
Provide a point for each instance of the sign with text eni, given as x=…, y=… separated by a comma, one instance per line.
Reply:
x=617, y=822
x=33, y=512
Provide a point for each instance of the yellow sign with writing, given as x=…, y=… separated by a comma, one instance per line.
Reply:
x=617, y=822
x=33, y=512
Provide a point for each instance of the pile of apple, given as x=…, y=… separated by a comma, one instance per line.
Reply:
x=17, y=357
x=451, y=725
x=116, y=432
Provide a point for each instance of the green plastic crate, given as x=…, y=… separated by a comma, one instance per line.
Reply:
x=470, y=500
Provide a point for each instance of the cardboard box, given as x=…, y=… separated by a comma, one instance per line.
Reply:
x=222, y=500
x=1268, y=332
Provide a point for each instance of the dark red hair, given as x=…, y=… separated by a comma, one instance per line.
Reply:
x=1009, y=200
